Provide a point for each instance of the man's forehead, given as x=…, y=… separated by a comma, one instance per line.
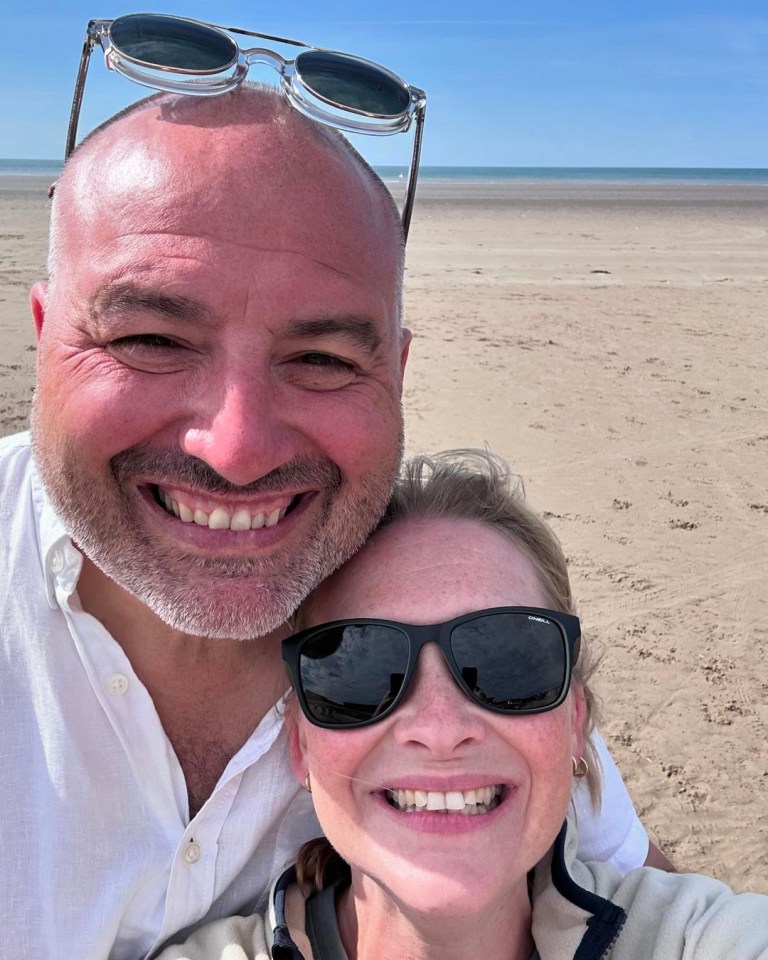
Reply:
x=149, y=172
x=242, y=146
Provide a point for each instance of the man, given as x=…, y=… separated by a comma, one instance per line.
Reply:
x=216, y=427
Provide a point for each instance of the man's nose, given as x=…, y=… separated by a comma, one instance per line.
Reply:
x=436, y=714
x=240, y=430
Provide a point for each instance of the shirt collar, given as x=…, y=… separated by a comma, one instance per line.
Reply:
x=61, y=561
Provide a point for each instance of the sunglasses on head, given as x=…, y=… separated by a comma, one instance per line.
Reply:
x=511, y=660
x=201, y=59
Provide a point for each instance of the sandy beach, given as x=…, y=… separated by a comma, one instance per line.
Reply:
x=611, y=342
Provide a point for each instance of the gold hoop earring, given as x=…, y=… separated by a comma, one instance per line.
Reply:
x=307, y=784
x=580, y=767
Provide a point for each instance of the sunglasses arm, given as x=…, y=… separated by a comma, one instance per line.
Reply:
x=91, y=36
x=410, y=190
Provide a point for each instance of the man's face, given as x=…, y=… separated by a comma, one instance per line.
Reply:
x=217, y=418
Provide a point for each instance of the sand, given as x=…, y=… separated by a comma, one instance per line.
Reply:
x=610, y=341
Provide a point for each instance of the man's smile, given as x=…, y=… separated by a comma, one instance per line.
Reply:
x=207, y=511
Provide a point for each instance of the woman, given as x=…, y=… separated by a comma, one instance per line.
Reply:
x=440, y=729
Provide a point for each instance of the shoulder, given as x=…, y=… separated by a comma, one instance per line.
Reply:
x=233, y=938
x=592, y=910
x=680, y=915
x=17, y=471
x=15, y=454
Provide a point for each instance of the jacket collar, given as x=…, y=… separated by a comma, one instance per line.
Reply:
x=283, y=947
x=569, y=920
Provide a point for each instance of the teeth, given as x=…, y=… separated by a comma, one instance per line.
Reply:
x=468, y=802
x=220, y=518
x=272, y=518
x=241, y=520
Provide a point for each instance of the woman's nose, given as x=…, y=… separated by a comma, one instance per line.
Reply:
x=436, y=714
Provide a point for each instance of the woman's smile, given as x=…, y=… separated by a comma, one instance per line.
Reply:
x=470, y=802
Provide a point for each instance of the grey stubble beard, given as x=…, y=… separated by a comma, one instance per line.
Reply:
x=218, y=598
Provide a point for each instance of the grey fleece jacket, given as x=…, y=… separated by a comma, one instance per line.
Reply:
x=580, y=912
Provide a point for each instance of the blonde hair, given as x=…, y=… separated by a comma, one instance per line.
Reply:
x=478, y=486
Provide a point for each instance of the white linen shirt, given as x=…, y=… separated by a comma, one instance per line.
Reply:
x=99, y=857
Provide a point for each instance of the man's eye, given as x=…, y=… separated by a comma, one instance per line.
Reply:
x=321, y=371
x=144, y=341
x=149, y=352
x=325, y=360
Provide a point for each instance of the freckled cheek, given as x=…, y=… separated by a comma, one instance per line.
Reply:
x=547, y=749
x=338, y=761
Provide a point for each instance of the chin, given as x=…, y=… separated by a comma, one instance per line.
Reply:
x=448, y=891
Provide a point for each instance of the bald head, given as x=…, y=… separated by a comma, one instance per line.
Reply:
x=232, y=150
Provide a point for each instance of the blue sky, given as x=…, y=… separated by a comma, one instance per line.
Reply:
x=514, y=83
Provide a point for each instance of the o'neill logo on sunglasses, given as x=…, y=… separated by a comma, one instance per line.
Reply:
x=538, y=619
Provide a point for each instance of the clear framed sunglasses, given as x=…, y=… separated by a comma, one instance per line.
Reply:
x=202, y=59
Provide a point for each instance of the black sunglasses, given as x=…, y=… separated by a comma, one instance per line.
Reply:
x=511, y=660
x=202, y=59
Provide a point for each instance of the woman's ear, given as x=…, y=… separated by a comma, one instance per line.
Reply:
x=578, y=719
x=297, y=741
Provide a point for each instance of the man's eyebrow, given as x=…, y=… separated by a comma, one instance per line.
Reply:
x=129, y=298
x=359, y=330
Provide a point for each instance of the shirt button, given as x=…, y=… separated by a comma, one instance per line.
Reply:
x=117, y=683
x=192, y=853
x=57, y=560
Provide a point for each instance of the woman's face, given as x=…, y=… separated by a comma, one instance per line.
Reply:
x=438, y=741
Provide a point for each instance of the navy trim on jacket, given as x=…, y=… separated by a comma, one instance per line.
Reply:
x=283, y=947
x=607, y=919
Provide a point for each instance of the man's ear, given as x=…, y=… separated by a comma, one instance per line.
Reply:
x=405, y=345
x=38, y=297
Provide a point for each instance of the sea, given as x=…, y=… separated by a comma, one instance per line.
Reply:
x=629, y=175
x=502, y=175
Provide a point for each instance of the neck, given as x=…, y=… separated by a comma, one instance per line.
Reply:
x=209, y=694
x=369, y=918
x=155, y=649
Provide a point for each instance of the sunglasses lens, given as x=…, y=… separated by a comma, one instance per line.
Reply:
x=172, y=43
x=352, y=84
x=511, y=661
x=350, y=674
